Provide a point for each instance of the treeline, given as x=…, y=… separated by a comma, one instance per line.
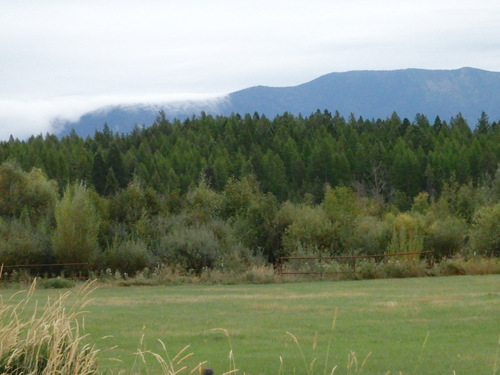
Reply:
x=220, y=191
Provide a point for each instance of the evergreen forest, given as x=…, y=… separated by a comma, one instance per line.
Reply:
x=227, y=192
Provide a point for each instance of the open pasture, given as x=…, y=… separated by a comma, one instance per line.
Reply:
x=426, y=326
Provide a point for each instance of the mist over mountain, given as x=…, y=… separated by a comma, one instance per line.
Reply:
x=370, y=94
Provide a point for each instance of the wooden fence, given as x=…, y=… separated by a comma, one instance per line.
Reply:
x=350, y=258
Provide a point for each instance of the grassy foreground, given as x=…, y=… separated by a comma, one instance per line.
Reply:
x=441, y=325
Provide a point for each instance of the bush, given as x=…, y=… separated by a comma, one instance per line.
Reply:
x=472, y=266
x=446, y=237
x=20, y=243
x=75, y=238
x=451, y=267
x=402, y=269
x=133, y=204
x=407, y=235
x=482, y=266
x=485, y=231
x=256, y=228
x=310, y=231
x=202, y=202
x=370, y=235
x=193, y=249
x=127, y=257
x=370, y=270
x=26, y=193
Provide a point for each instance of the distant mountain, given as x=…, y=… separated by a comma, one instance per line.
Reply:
x=371, y=94
x=123, y=118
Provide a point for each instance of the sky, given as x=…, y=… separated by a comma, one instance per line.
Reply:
x=60, y=59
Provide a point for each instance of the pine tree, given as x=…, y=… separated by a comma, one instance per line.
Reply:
x=99, y=174
x=115, y=163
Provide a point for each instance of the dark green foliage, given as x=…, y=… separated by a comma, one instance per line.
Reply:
x=23, y=244
x=310, y=231
x=202, y=202
x=126, y=257
x=370, y=235
x=115, y=164
x=27, y=194
x=75, y=238
x=56, y=283
x=255, y=227
x=99, y=172
x=446, y=237
x=196, y=192
x=133, y=204
x=289, y=156
x=485, y=239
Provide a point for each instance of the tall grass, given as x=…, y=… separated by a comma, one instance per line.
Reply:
x=47, y=340
x=310, y=367
x=168, y=365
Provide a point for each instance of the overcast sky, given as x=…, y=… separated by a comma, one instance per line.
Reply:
x=61, y=58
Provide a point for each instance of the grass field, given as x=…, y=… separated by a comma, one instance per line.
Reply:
x=389, y=320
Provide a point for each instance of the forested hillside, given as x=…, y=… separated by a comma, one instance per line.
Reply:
x=371, y=94
x=223, y=190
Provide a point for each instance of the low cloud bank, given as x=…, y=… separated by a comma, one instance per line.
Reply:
x=24, y=118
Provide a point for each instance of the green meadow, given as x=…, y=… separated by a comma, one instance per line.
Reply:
x=445, y=325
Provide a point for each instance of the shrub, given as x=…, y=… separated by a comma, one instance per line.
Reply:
x=133, y=204
x=255, y=227
x=26, y=193
x=238, y=195
x=370, y=270
x=127, y=257
x=421, y=203
x=202, y=202
x=76, y=233
x=343, y=208
x=446, y=237
x=482, y=266
x=451, y=267
x=472, y=266
x=485, y=231
x=341, y=204
x=20, y=243
x=310, y=231
x=407, y=235
x=193, y=248
x=370, y=235
x=394, y=269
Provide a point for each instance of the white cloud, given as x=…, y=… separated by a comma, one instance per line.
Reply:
x=25, y=118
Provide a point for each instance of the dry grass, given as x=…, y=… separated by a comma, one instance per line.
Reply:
x=47, y=341
x=304, y=271
x=168, y=366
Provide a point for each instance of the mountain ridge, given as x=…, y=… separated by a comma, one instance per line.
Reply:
x=371, y=94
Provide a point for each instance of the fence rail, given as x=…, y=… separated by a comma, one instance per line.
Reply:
x=281, y=260
x=43, y=265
